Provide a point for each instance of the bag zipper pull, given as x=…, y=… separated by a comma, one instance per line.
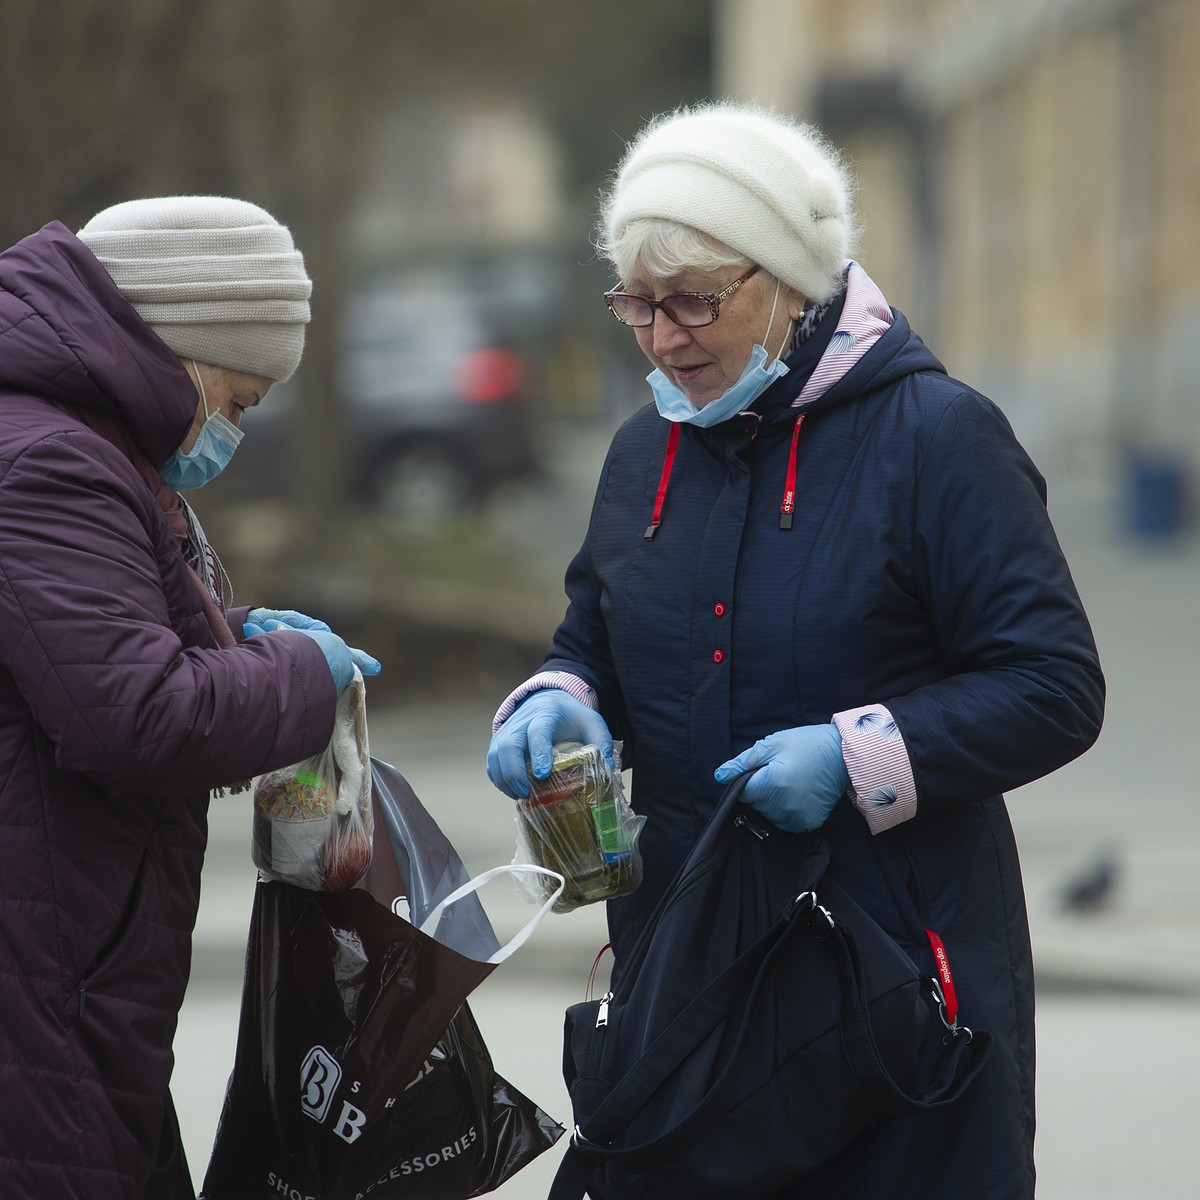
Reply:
x=602, y=1011
x=744, y=823
x=943, y=985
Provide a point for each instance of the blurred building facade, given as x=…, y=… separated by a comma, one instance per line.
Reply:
x=465, y=172
x=1029, y=190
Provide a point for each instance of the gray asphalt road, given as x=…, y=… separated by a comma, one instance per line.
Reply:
x=1119, y=989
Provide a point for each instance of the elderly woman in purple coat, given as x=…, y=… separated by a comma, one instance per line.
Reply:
x=129, y=686
x=817, y=560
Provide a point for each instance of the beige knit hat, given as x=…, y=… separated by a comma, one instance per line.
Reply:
x=219, y=280
x=768, y=187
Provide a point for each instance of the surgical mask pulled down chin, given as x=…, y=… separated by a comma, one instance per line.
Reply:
x=218, y=439
x=672, y=401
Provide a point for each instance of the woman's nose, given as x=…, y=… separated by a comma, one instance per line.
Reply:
x=665, y=335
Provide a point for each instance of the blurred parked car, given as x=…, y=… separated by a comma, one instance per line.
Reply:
x=437, y=410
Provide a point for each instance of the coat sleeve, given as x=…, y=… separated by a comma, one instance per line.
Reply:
x=1024, y=692
x=89, y=638
x=581, y=644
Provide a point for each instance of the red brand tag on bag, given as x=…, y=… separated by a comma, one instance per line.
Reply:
x=950, y=1000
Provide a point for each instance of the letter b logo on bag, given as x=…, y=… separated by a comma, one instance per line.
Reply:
x=320, y=1073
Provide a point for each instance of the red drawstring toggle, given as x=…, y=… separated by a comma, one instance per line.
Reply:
x=663, y=480
x=949, y=1000
x=789, y=491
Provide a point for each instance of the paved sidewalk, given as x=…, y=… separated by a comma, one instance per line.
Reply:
x=1136, y=794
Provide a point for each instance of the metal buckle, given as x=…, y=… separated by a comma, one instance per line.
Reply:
x=953, y=1028
x=814, y=907
x=582, y=1143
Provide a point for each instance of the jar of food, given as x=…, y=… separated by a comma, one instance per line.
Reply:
x=573, y=824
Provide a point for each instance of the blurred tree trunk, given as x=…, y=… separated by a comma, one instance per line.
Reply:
x=261, y=100
x=297, y=148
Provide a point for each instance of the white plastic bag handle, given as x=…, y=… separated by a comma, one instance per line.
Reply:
x=431, y=922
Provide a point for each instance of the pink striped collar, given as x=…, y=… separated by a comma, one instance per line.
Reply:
x=866, y=317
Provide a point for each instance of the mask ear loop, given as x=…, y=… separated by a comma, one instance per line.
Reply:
x=771, y=321
x=787, y=333
x=200, y=385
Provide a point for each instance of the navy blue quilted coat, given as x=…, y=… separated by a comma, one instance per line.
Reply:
x=921, y=573
x=118, y=713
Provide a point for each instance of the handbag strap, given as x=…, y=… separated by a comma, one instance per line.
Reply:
x=679, y=1039
x=962, y=1055
x=660, y=1059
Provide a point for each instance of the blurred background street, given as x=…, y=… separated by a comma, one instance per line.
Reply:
x=1029, y=182
x=1118, y=981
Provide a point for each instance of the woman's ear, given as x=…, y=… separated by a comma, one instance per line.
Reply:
x=796, y=304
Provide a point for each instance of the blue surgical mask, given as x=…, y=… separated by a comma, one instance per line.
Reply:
x=219, y=438
x=673, y=403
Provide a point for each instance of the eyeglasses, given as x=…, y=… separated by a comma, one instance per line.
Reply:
x=690, y=310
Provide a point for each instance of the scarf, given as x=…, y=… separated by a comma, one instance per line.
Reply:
x=212, y=583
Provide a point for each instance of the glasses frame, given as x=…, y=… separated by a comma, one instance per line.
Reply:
x=712, y=299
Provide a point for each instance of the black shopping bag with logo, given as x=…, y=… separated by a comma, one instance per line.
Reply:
x=359, y=1068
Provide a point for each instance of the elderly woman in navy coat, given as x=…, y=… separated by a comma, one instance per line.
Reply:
x=129, y=685
x=819, y=558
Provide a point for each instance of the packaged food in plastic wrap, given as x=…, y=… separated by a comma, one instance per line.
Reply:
x=313, y=820
x=578, y=823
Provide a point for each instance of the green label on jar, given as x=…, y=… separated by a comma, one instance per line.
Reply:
x=609, y=832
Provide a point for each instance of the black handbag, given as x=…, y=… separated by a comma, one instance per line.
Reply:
x=762, y=1022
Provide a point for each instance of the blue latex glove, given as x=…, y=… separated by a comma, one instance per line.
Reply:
x=799, y=775
x=541, y=720
x=342, y=659
x=257, y=618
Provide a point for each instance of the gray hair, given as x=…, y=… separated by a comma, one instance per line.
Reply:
x=664, y=248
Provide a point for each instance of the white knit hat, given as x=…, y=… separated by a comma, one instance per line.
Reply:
x=219, y=280
x=769, y=188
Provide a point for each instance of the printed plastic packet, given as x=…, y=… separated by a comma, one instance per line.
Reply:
x=313, y=820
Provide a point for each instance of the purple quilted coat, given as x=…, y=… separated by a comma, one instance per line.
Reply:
x=118, y=714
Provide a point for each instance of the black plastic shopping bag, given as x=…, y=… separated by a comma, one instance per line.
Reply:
x=359, y=1070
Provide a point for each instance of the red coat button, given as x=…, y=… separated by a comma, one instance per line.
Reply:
x=719, y=609
x=718, y=656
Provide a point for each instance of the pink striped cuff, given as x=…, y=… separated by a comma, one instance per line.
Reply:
x=881, y=778
x=563, y=681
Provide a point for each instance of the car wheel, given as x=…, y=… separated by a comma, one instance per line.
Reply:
x=421, y=486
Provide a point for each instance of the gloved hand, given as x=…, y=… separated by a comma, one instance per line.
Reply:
x=257, y=618
x=541, y=720
x=342, y=659
x=799, y=775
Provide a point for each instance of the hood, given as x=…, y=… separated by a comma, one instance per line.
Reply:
x=68, y=335
x=898, y=353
